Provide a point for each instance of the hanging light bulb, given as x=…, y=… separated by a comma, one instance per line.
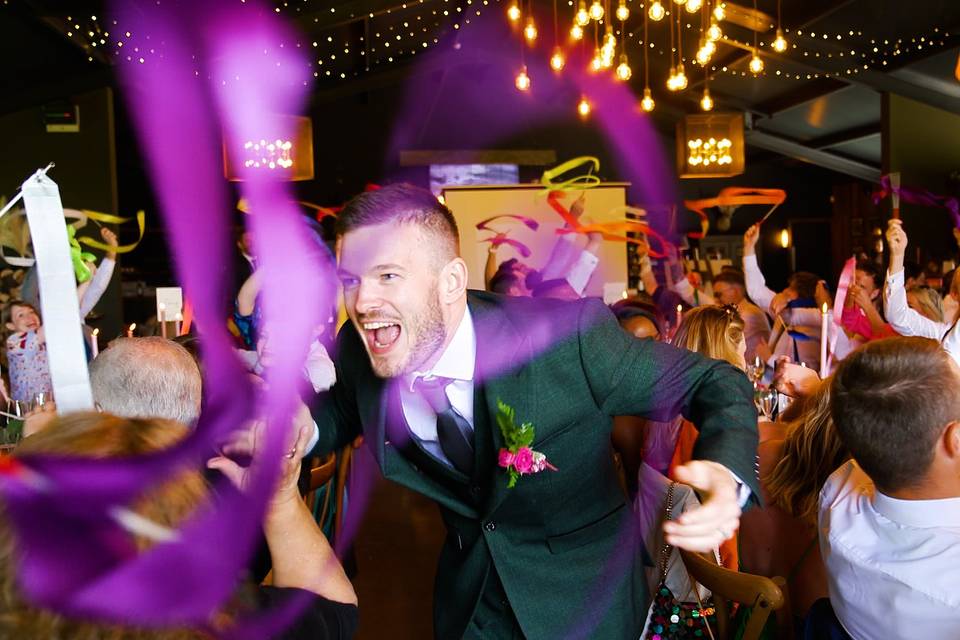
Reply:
x=714, y=33
x=647, y=103
x=557, y=61
x=657, y=11
x=705, y=51
x=576, y=32
x=583, y=17
x=623, y=69
x=672, y=79
x=756, y=63
x=681, y=78
x=622, y=11
x=596, y=10
x=694, y=5
x=597, y=62
x=780, y=43
x=513, y=12
x=583, y=107
x=719, y=11
x=680, y=2
x=606, y=57
x=706, y=102
x=609, y=40
x=523, y=80
x=530, y=31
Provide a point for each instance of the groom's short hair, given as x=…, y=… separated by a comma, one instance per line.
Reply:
x=406, y=204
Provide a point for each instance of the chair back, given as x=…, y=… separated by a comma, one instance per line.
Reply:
x=763, y=595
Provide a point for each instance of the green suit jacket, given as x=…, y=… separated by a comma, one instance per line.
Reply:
x=562, y=542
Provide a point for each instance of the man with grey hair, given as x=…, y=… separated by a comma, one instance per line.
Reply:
x=147, y=377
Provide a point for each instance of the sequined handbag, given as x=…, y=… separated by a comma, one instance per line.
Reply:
x=673, y=619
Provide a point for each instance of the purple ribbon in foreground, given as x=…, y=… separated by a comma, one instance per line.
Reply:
x=919, y=196
x=74, y=557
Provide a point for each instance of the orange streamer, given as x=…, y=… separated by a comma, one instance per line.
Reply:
x=609, y=230
x=732, y=196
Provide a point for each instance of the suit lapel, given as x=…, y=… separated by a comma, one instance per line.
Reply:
x=501, y=374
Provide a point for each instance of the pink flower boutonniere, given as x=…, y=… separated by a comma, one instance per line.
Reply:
x=517, y=457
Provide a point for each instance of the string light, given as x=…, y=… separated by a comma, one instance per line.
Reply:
x=681, y=79
x=657, y=12
x=622, y=11
x=694, y=5
x=647, y=104
x=583, y=16
x=756, y=63
x=706, y=102
x=780, y=43
x=714, y=33
x=623, y=69
x=596, y=11
x=557, y=61
x=596, y=64
x=583, y=107
x=523, y=80
x=530, y=31
x=576, y=32
x=719, y=11
x=513, y=12
x=709, y=152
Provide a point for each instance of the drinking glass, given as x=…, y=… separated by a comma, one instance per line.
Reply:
x=39, y=399
x=767, y=402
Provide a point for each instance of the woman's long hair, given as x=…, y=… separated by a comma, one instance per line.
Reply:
x=812, y=450
x=714, y=331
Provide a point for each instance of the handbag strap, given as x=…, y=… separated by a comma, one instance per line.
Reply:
x=665, y=550
x=665, y=555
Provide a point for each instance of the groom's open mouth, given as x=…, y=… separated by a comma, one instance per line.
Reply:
x=381, y=336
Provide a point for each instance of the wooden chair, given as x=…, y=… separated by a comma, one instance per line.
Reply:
x=763, y=595
x=322, y=473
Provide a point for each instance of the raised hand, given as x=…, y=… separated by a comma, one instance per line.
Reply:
x=896, y=238
x=111, y=239
x=750, y=240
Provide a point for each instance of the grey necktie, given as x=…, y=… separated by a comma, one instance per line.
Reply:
x=453, y=431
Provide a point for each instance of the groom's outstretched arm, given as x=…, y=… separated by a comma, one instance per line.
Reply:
x=628, y=376
x=335, y=411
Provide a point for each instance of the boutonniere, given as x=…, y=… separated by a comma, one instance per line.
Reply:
x=517, y=457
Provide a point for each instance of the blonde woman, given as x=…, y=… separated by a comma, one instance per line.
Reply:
x=715, y=331
x=926, y=301
x=781, y=538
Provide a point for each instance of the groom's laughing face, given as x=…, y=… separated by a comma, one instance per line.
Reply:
x=391, y=291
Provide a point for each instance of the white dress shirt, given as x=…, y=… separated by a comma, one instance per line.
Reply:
x=457, y=363
x=569, y=262
x=893, y=566
x=908, y=322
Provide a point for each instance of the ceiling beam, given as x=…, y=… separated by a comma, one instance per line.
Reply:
x=846, y=136
x=806, y=92
x=798, y=151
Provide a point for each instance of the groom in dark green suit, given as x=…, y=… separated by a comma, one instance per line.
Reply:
x=421, y=368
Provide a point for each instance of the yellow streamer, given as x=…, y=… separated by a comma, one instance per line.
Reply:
x=112, y=219
x=584, y=181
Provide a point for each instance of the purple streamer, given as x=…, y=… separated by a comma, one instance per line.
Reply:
x=73, y=555
x=921, y=197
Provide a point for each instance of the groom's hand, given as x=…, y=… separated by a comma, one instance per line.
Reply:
x=717, y=519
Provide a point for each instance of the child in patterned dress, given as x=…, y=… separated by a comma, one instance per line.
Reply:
x=26, y=352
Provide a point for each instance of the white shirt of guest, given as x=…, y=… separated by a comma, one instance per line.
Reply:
x=457, y=363
x=893, y=566
x=909, y=322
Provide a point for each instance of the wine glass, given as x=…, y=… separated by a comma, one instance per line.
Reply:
x=767, y=403
x=755, y=371
x=39, y=399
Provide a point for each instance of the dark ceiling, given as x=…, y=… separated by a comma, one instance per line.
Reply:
x=819, y=101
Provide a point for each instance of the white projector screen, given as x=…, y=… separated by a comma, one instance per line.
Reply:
x=472, y=204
